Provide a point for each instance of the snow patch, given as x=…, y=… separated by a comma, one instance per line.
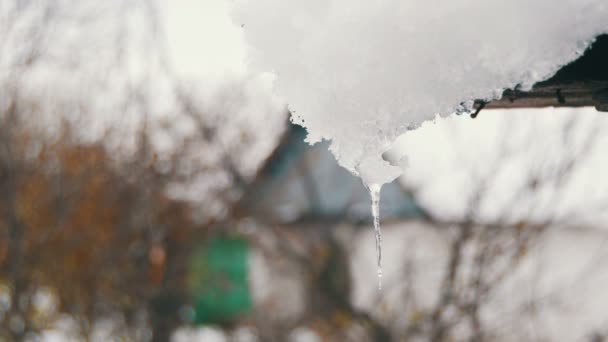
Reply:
x=361, y=73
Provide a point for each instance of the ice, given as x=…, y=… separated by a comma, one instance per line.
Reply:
x=374, y=192
x=361, y=73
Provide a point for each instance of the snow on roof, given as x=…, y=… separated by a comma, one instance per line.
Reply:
x=362, y=73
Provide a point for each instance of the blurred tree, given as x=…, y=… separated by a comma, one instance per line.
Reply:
x=103, y=243
x=100, y=224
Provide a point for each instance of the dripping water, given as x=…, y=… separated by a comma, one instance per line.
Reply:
x=374, y=192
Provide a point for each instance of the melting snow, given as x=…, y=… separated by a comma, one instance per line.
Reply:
x=361, y=73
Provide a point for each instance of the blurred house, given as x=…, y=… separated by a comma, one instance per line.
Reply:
x=313, y=257
x=308, y=211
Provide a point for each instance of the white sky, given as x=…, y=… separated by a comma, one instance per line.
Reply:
x=203, y=40
x=449, y=158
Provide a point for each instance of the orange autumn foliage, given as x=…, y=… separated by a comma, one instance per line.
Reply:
x=77, y=222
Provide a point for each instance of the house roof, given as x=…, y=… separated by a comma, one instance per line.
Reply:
x=581, y=83
x=303, y=183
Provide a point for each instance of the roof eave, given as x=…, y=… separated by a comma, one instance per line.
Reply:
x=558, y=94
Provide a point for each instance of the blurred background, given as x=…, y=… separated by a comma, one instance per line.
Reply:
x=152, y=189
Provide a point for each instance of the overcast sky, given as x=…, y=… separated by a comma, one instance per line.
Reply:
x=203, y=40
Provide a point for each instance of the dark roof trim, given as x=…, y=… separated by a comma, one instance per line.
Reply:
x=581, y=83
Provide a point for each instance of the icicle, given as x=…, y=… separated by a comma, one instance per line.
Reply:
x=374, y=192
